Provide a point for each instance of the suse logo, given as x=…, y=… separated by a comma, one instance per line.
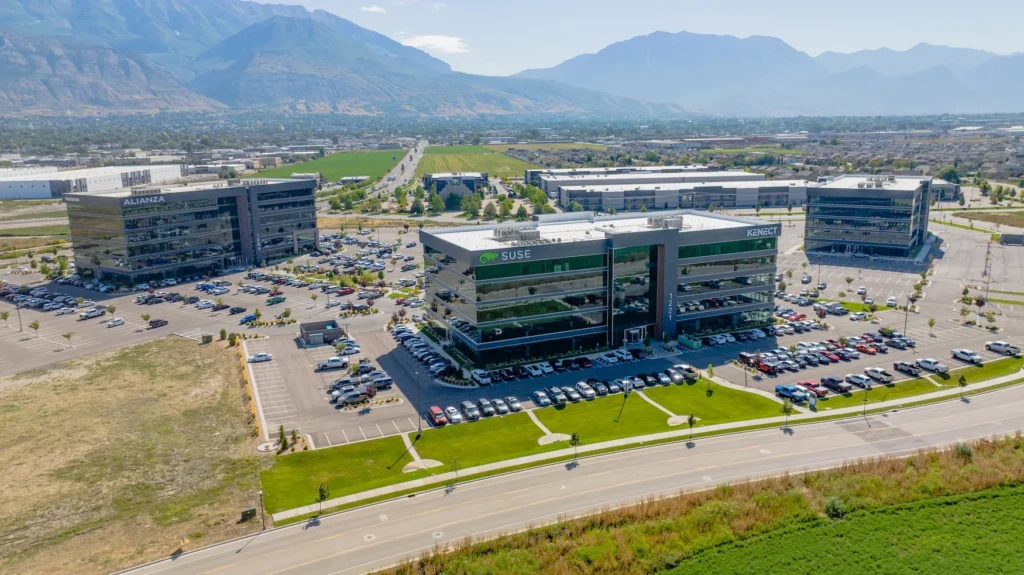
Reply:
x=488, y=257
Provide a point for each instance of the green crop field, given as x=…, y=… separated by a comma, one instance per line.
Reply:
x=470, y=159
x=553, y=146
x=373, y=164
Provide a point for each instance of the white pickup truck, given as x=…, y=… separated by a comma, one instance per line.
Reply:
x=1002, y=347
x=332, y=363
x=94, y=312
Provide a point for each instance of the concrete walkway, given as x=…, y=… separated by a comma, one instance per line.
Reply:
x=442, y=478
x=548, y=437
x=417, y=463
x=754, y=390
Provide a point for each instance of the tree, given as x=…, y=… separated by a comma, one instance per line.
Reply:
x=521, y=213
x=961, y=201
x=849, y=280
x=691, y=421
x=575, y=206
x=471, y=205
x=436, y=204
x=980, y=302
x=931, y=324
x=258, y=314
x=574, y=441
x=67, y=336
x=223, y=334
x=964, y=312
x=287, y=313
x=611, y=211
x=322, y=494
x=950, y=174
x=111, y=309
x=962, y=382
x=789, y=274
x=284, y=439
x=314, y=297
x=787, y=409
x=504, y=211
x=643, y=208
x=490, y=212
x=711, y=371
x=145, y=317
x=35, y=326
x=757, y=209
x=5, y=315
x=789, y=207
x=417, y=207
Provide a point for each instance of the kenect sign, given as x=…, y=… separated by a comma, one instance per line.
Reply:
x=505, y=256
x=142, y=200
x=762, y=232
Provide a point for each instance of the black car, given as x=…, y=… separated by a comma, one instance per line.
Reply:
x=599, y=388
x=571, y=364
x=157, y=322
x=637, y=353
x=192, y=299
x=496, y=376
x=836, y=384
x=808, y=359
x=896, y=343
x=844, y=355
x=220, y=307
x=558, y=365
x=520, y=372
x=507, y=374
x=556, y=395
x=236, y=310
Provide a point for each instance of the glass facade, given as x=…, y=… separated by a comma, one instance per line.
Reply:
x=699, y=326
x=724, y=248
x=738, y=266
x=635, y=289
x=287, y=224
x=893, y=225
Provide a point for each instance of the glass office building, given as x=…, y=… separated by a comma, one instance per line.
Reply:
x=133, y=236
x=871, y=215
x=569, y=283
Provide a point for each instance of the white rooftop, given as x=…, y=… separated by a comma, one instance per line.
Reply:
x=641, y=177
x=622, y=169
x=447, y=175
x=896, y=183
x=83, y=173
x=686, y=186
x=585, y=229
x=180, y=188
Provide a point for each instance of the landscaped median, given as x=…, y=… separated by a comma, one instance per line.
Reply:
x=721, y=405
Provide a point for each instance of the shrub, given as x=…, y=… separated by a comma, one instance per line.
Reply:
x=835, y=508
x=963, y=451
x=233, y=339
x=223, y=334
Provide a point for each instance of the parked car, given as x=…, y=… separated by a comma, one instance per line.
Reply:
x=573, y=395
x=859, y=380
x=795, y=394
x=469, y=411
x=585, y=390
x=236, y=310
x=452, y=415
x=967, y=355
x=812, y=387
x=486, y=407
x=260, y=357
x=907, y=368
x=540, y=399
x=933, y=365
x=481, y=377
x=878, y=374
x=157, y=323
x=436, y=416
x=836, y=384
x=999, y=347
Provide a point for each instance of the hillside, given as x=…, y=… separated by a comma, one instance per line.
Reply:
x=48, y=76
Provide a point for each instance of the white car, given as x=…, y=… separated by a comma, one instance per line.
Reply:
x=585, y=390
x=65, y=310
x=260, y=357
x=204, y=304
x=932, y=365
x=862, y=290
x=480, y=377
x=967, y=355
x=453, y=415
x=350, y=350
x=891, y=302
x=858, y=380
x=546, y=368
x=869, y=300
x=858, y=316
x=623, y=355
x=997, y=346
x=332, y=302
x=115, y=322
x=878, y=374
x=609, y=358
x=728, y=338
x=533, y=370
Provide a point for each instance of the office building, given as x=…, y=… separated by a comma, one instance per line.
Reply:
x=870, y=215
x=573, y=283
x=551, y=183
x=136, y=235
x=533, y=176
x=944, y=191
x=52, y=184
x=690, y=195
x=458, y=183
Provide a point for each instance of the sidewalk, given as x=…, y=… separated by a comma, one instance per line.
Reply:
x=442, y=478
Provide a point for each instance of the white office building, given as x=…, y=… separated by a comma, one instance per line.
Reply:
x=55, y=184
x=699, y=195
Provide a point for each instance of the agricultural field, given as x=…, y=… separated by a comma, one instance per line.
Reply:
x=371, y=163
x=503, y=148
x=54, y=230
x=470, y=159
x=108, y=458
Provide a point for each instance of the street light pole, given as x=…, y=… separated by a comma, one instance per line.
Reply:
x=419, y=413
x=18, y=308
x=263, y=518
x=906, y=316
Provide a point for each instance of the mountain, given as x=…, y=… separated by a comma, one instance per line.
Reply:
x=48, y=76
x=168, y=31
x=921, y=57
x=763, y=76
x=327, y=64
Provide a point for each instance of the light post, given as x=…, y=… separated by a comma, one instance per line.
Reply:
x=419, y=414
x=906, y=316
x=263, y=519
x=18, y=308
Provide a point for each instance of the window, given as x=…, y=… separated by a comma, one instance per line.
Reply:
x=705, y=250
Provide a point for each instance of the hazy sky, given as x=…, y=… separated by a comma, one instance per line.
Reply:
x=499, y=37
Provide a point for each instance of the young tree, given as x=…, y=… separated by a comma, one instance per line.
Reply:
x=111, y=309
x=575, y=206
x=757, y=209
x=691, y=421
x=787, y=409
x=848, y=279
x=258, y=314
x=5, y=315
x=490, y=212
x=436, y=204
x=35, y=326
x=284, y=439
x=504, y=211
x=314, y=297
x=980, y=302
x=417, y=207
x=711, y=371
x=962, y=382
x=323, y=493
x=145, y=317
x=521, y=213
x=574, y=441
x=223, y=334
x=68, y=336
x=789, y=207
x=931, y=324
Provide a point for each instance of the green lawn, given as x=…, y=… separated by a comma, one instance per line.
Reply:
x=470, y=159
x=599, y=420
x=484, y=441
x=57, y=230
x=856, y=306
x=11, y=205
x=36, y=216
x=960, y=534
x=1006, y=301
x=1007, y=292
x=373, y=164
x=722, y=406
x=540, y=146
x=293, y=480
x=961, y=226
x=983, y=372
x=879, y=393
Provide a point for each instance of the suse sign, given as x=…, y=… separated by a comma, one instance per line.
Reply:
x=759, y=232
x=506, y=256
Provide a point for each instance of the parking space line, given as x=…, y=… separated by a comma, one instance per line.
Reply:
x=361, y=431
x=346, y=436
x=377, y=425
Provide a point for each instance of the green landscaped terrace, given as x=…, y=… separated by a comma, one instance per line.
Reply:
x=485, y=441
x=723, y=405
x=879, y=393
x=605, y=418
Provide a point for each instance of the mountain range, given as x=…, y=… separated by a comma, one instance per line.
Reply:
x=89, y=56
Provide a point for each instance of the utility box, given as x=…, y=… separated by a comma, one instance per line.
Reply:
x=248, y=513
x=207, y=338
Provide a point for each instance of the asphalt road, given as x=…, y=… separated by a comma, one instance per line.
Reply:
x=364, y=539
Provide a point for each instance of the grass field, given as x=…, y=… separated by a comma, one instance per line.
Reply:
x=600, y=419
x=56, y=230
x=1004, y=218
x=722, y=406
x=36, y=216
x=559, y=146
x=107, y=458
x=880, y=393
x=7, y=244
x=961, y=534
x=470, y=159
x=373, y=163
x=292, y=481
x=678, y=533
x=1005, y=301
x=485, y=441
x=983, y=372
x=12, y=205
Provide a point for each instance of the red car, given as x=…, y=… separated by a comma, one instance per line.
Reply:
x=436, y=416
x=832, y=357
x=584, y=363
x=797, y=317
x=276, y=292
x=868, y=338
x=833, y=342
x=865, y=348
x=814, y=387
x=347, y=291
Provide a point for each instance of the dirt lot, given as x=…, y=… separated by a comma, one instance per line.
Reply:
x=109, y=457
x=1005, y=219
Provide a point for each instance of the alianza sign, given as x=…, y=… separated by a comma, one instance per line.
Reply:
x=505, y=256
x=141, y=200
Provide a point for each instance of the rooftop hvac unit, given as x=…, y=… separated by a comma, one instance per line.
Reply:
x=879, y=183
x=892, y=178
x=674, y=223
x=656, y=221
x=510, y=233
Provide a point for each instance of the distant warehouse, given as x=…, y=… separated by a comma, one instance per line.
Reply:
x=699, y=195
x=52, y=184
x=458, y=183
x=533, y=176
x=551, y=184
